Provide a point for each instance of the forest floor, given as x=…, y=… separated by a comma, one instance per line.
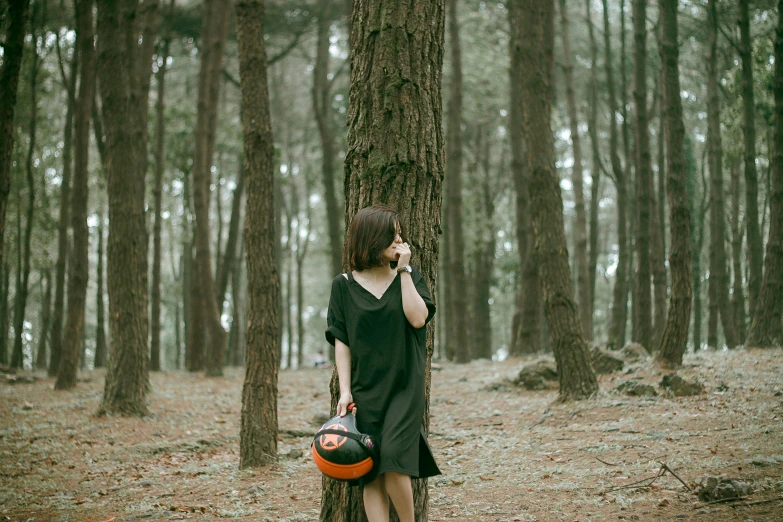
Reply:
x=506, y=454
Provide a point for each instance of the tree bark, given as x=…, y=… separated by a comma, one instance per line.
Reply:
x=765, y=328
x=738, y=293
x=675, y=334
x=6, y=273
x=79, y=263
x=123, y=72
x=620, y=294
x=101, y=352
x=644, y=185
x=395, y=156
x=237, y=324
x=230, y=253
x=755, y=247
x=302, y=246
x=718, y=282
x=580, y=256
x=214, y=29
x=13, y=50
x=258, y=432
x=46, y=315
x=657, y=239
x=289, y=278
x=23, y=270
x=577, y=379
x=595, y=174
x=698, y=208
x=322, y=106
x=527, y=324
x=157, y=191
x=456, y=254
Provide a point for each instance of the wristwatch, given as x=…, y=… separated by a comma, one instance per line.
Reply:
x=406, y=268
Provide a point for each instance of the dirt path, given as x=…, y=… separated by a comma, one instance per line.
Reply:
x=506, y=454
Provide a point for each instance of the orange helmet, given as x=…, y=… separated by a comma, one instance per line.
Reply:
x=341, y=452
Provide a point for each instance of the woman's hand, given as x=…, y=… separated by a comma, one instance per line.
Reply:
x=403, y=254
x=342, y=405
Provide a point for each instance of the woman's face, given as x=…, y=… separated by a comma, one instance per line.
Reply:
x=389, y=251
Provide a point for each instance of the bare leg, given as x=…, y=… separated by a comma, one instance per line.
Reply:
x=376, y=500
x=400, y=491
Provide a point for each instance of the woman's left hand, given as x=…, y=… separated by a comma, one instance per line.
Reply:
x=403, y=254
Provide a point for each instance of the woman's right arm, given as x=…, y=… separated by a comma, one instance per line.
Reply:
x=342, y=358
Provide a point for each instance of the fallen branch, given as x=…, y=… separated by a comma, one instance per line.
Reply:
x=722, y=501
x=667, y=468
x=756, y=502
x=638, y=483
x=607, y=463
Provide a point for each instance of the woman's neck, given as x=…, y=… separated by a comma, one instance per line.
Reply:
x=377, y=271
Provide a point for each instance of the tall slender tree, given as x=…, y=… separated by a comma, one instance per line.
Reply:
x=213, y=38
x=13, y=50
x=46, y=315
x=123, y=70
x=595, y=174
x=644, y=185
x=101, y=350
x=526, y=328
x=395, y=156
x=79, y=258
x=755, y=247
x=322, y=106
x=719, y=281
x=536, y=43
x=157, y=191
x=580, y=256
x=23, y=249
x=258, y=432
x=737, y=231
x=455, y=263
x=675, y=334
x=657, y=237
x=620, y=295
x=765, y=328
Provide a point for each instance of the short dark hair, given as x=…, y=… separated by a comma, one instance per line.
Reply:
x=371, y=231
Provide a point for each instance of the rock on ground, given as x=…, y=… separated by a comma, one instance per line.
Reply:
x=679, y=387
x=634, y=352
x=721, y=488
x=541, y=375
x=605, y=361
x=636, y=389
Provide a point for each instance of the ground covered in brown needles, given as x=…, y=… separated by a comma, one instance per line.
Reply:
x=507, y=454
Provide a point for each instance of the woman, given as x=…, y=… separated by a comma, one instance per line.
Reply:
x=377, y=320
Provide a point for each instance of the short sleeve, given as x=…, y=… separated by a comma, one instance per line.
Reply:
x=335, y=315
x=424, y=292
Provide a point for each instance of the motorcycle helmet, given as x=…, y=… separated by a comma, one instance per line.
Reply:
x=341, y=452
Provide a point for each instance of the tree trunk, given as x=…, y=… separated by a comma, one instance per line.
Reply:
x=101, y=353
x=237, y=324
x=718, y=282
x=322, y=106
x=302, y=246
x=644, y=185
x=13, y=50
x=258, y=432
x=527, y=325
x=765, y=328
x=755, y=247
x=46, y=314
x=536, y=44
x=229, y=256
x=289, y=277
x=395, y=156
x=4, y=313
x=595, y=175
x=620, y=295
x=160, y=110
x=580, y=256
x=79, y=263
x=214, y=29
x=657, y=239
x=738, y=293
x=698, y=208
x=456, y=253
x=484, y=254
x=675, y=334
x=23, y=272
x=123, y=68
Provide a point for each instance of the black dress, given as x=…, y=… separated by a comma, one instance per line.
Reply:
x=387, y=370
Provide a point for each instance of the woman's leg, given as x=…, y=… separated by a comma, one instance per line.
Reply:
x=400, y=491
x=376, y=500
